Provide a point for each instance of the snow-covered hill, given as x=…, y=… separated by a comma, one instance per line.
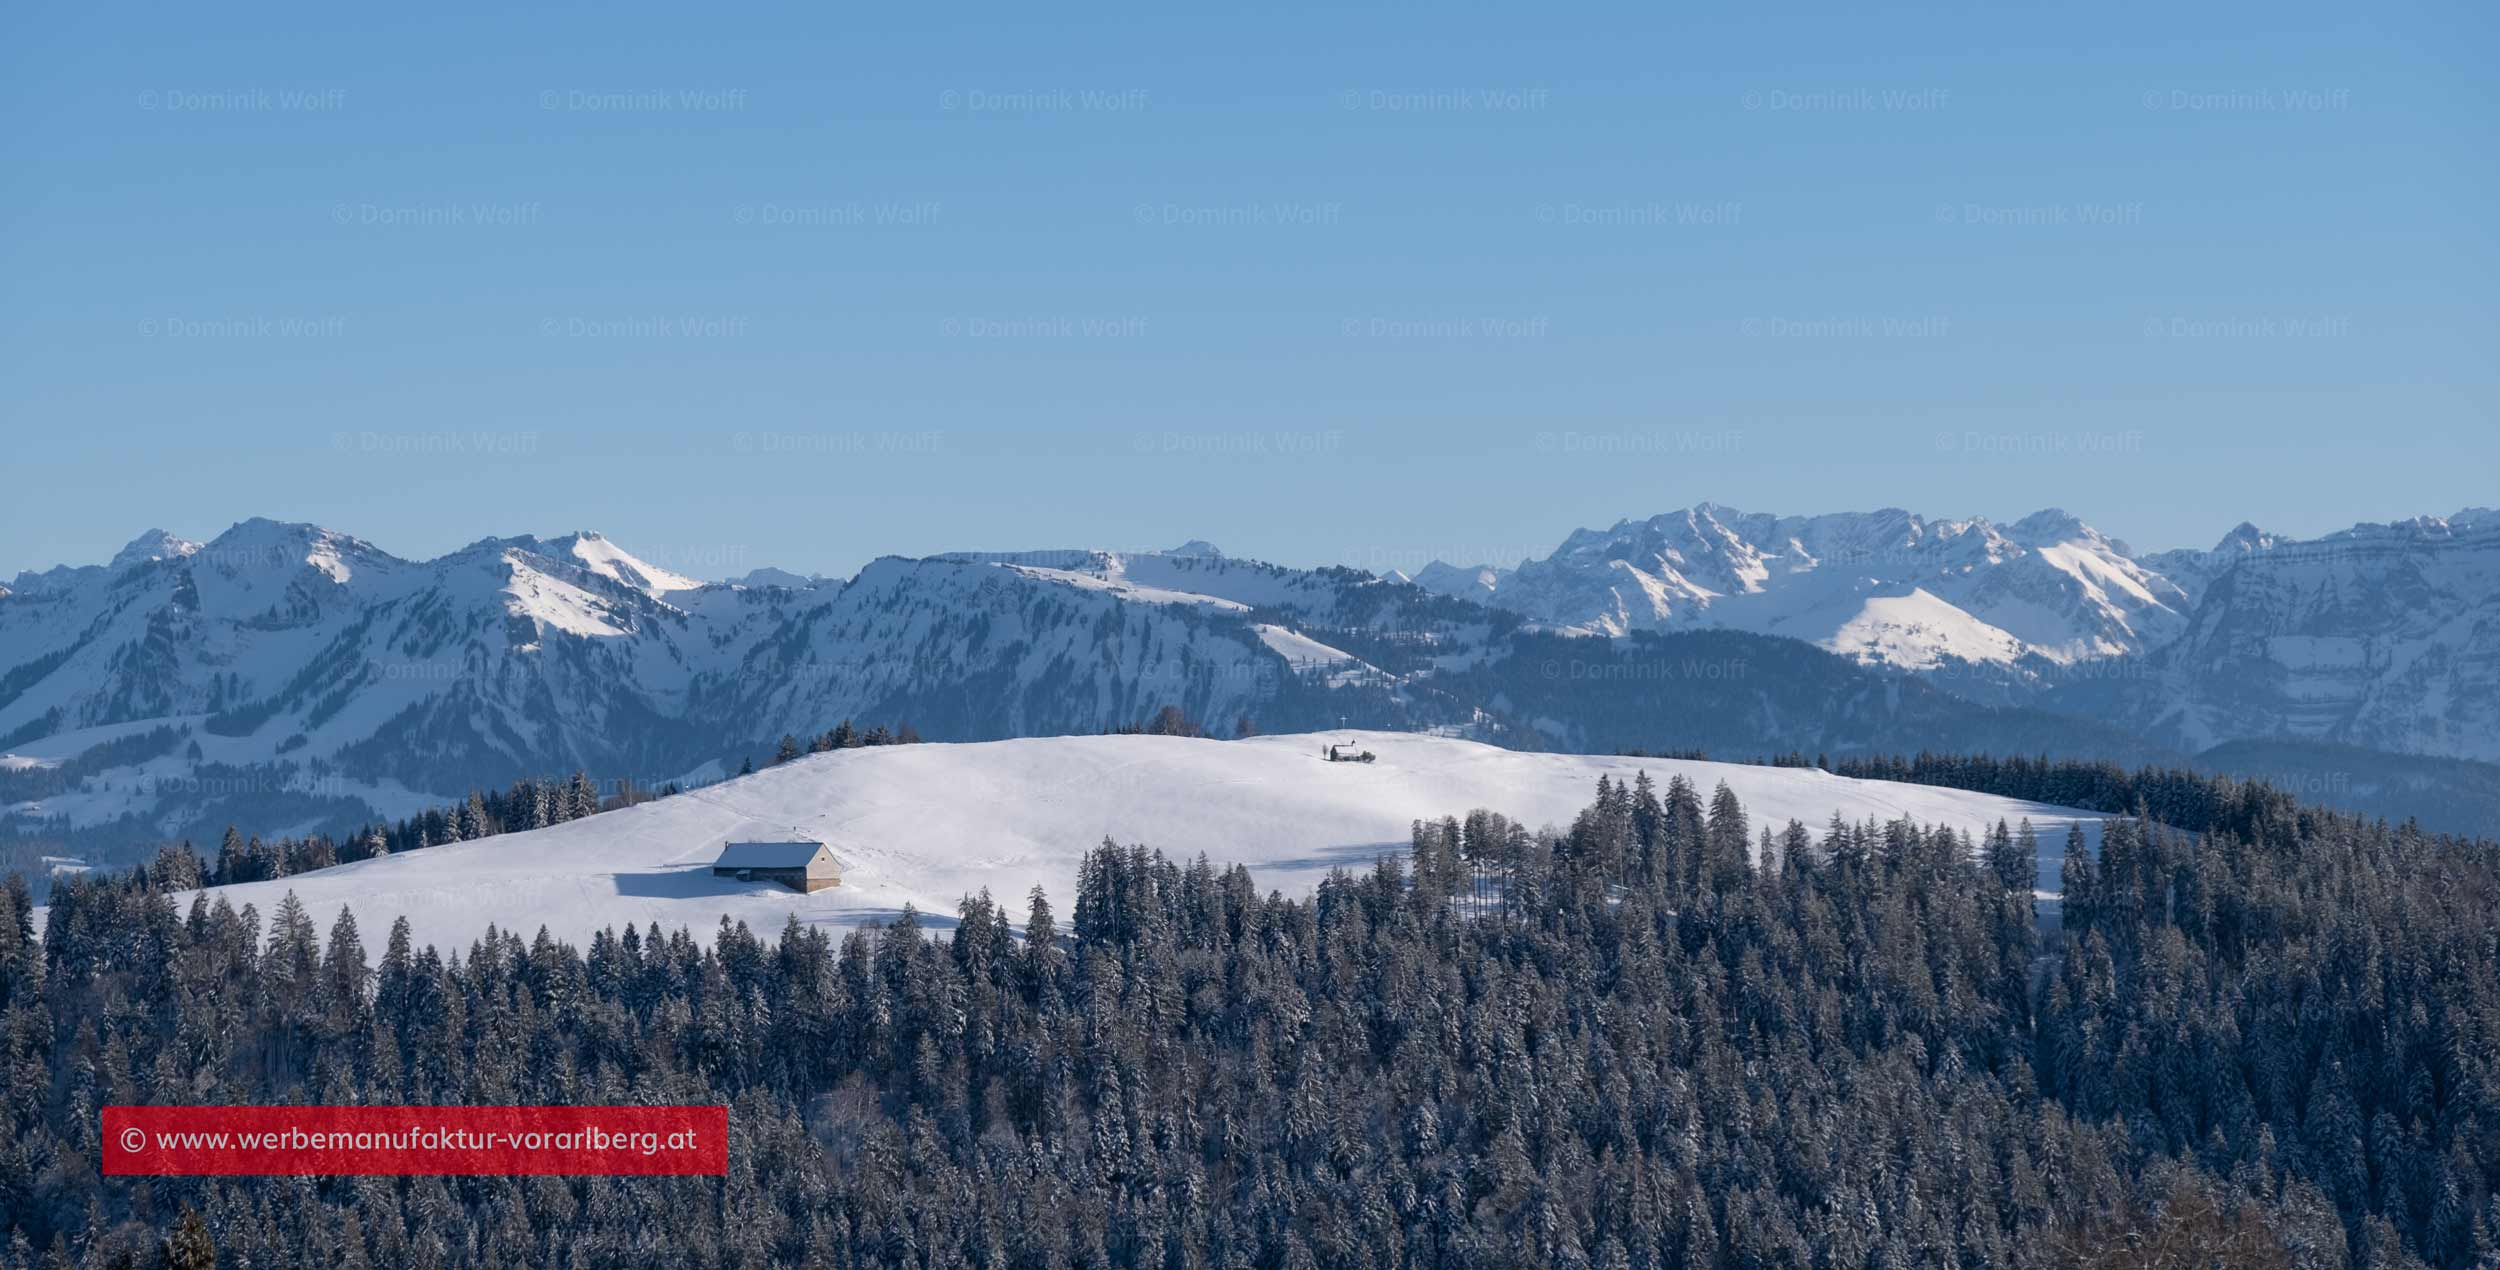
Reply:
x=928, y=824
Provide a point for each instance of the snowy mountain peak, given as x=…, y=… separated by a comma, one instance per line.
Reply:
x=2467, y=523
x=2051, y=525
x=2244, y=537
x=1886, y=586
x=2194, y=572
x=260, y=528
x=550, y=601
x=1471, y=581
x=155, y=544
x=260, y=547
x=1197, y=547
x=770, y=576
x=594, y=552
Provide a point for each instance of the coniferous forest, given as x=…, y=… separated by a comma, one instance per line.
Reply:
x=1661, y=1037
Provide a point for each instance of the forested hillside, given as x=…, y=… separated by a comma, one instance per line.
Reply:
x=2275, y=1042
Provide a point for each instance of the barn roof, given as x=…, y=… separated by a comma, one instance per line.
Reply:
x=767, y=855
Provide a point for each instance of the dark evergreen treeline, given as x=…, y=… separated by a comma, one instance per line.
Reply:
x=2182, y=798
x=31, y=783
x=1663, y=1038
x=525, y=804
x=2448, y=794
x=843, y=736
x=2176, y=796
x=1173, y=721
x=528, y=803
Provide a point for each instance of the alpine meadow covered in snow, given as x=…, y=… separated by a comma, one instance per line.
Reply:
x=926, y=825
x=1284, y=637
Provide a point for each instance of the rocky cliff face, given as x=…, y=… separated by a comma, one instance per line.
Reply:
x=2381, y=636
x=2385, y=636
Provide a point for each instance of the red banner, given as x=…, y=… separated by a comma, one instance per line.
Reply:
x=409, y=1141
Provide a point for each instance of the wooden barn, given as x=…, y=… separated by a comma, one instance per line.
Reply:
x=801, y=866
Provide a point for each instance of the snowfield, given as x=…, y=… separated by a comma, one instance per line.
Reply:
x=928, y=824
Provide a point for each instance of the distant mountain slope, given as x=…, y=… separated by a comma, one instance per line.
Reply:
x=1467, y=582
x=2447, y=794
x=1740, y=695
x=1196, y=569
x=929, y=824
x=972, y=651
x=2382, y=636
x=2195, y=571
x=1886, y=587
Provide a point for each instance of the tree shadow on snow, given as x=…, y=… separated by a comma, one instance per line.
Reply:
x=1357, y=857
x=883, y=917
x=698, y=883
x=689, y=884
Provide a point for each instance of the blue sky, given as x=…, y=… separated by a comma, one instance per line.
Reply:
x=806, y=284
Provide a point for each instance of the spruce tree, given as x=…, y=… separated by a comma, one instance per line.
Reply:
x=189, y=1247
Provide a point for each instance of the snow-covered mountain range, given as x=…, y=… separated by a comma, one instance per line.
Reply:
x=309, y=674
x=285, y=675
x=1886, y=587
x=2384, y=636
